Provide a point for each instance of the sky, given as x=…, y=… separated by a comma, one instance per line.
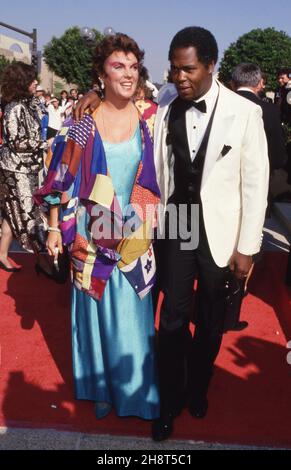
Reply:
x=152, y=23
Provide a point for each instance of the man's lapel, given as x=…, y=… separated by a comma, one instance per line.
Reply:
x=161, y=155
x=221, y=126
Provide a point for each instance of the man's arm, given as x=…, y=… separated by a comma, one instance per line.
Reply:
x=254, y=188
x=88, y=104
x=254, y=184
x=275, y=137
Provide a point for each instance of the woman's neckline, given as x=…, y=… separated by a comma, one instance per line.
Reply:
x=122, y=141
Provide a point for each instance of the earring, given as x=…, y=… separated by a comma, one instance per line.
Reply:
x=102, y=85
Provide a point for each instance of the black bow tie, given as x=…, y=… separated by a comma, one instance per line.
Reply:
x=200, y=105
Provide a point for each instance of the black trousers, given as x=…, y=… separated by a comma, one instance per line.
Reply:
x=186, y=363
x=51, y=132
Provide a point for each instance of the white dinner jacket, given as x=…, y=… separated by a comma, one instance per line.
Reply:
x=234, y=184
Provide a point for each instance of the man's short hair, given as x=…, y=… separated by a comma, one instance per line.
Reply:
x=284, y=71
x=246, y=74
x=200, y=38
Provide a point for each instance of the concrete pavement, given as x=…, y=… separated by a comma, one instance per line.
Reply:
x=48, y=439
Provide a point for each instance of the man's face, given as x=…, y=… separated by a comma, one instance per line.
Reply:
x=283, y=79
x=192, y=78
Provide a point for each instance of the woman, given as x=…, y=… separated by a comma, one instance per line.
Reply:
x=63, y=99
x=102, y=173
x=55, y=118
x=20, y=163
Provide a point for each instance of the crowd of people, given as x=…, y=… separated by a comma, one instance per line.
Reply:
x=144, y=194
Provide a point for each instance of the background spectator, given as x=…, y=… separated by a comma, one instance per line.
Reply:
x=21, y=161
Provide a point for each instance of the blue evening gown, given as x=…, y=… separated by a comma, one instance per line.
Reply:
x=113, y=339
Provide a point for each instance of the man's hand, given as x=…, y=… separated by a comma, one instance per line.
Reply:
x=240, y=265
x=88, y=104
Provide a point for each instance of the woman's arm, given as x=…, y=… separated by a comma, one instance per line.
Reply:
x=88, y=103
x=22, y=134
x=54, y=239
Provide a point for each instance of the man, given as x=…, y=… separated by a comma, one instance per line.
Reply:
x=284, y=81
x=39, y=93
x=210, y=150
x=262, y=93
x=247, y=81
x=74, y=94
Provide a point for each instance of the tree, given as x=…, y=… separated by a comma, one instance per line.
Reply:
x=3, y=63
x=268, y=48
x=70, y=57
x=58, y=87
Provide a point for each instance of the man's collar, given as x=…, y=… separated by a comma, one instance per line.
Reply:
x=245, y=88
x=210, y=93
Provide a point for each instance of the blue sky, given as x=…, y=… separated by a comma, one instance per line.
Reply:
x=151, y=23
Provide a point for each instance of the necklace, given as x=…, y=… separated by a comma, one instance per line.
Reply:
x=106, y=137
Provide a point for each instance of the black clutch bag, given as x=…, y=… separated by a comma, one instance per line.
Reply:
x=235, y=292
x=61, y=267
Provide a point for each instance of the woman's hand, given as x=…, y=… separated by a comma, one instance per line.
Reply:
x=54, y=243
x=88, y=103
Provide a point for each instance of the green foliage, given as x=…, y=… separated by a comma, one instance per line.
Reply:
x=268, y=48
x=3, y=63
x=70, y=57
x=58, y=87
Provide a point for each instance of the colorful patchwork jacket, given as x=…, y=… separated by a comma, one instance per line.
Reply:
x=79, y=179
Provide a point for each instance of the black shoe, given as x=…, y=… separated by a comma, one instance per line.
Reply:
x=198, y=408
x=162, y=427
x=9, y=270
x=241, y=325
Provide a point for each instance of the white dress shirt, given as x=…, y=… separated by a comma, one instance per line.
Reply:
x=55, y=117
x=196, y=122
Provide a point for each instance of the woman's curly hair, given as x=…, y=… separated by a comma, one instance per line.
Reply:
x=15, y=81
x=110, y=44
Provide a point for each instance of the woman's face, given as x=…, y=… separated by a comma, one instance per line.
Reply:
x=121, y=75
x=32, y=87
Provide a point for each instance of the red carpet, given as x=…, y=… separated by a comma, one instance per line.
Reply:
x=250, y=396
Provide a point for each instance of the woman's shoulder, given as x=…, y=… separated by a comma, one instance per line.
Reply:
x=13, y=110
x=86, y=120
x=14, y=106
x=148, y=111
x=79, y=131
x=146, y=108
